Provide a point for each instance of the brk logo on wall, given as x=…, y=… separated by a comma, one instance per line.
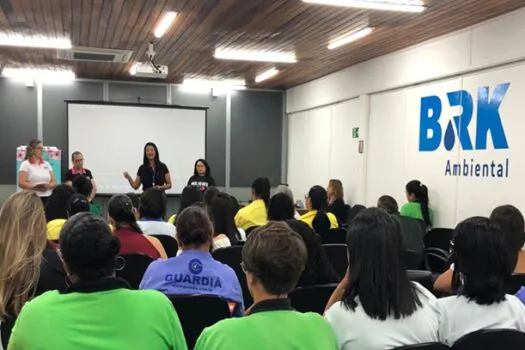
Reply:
x=488, y=122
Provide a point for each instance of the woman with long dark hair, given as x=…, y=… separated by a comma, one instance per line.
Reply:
x=56, y=210
x=152, y=172
x=418, y=203
x=221, y=214
x=132, y=240
x=318, y=216
x=201, y=178
x=376, y=306
x=255, y=213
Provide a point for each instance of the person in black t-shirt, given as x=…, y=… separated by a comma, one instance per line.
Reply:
x=152, y=172
x=201, y=178
x=78, y=169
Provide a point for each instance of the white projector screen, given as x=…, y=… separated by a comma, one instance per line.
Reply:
x=112, y=139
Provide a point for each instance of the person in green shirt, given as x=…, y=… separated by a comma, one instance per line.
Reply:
x=418, y=203
x=83, y=185
x=273, y=258
x=97, y=311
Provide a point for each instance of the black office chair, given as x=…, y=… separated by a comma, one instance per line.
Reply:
x=312, y=298
x=517, y=281
x=352, y=213
x=413, y=233
x=131, y=267
x=197, y=312
x=425, y=346
x=490, y=339
x=424, y=278
x=413, y=260
x=250, y=229
x=438, y=238
x=338, y=257
x=169, y=243
x=232, y=256
x=333, y=236
x=436, y=260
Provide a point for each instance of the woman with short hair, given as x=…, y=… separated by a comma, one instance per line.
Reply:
x=98, y=311
x=255, y=214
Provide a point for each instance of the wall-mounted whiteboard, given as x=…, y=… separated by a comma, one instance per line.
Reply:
x=112, y=139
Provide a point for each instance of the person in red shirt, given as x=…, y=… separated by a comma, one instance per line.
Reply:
x=132, y=240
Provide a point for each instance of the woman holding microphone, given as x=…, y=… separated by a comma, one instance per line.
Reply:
x=152, y=172
x=35, y=173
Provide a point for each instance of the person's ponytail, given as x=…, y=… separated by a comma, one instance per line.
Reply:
x=319, y=201
x=261, y=189
x=423, y=200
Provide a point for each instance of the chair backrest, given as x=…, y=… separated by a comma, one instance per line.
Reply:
x=131, y=267
x=490, y=339
x=425, y=346
x=438, y=238
x=338, y=257
x=250, y=229
x=232, y=256
x=413, y=233
x=169, y=243
x=198, y=312
x=424, y=278
x=312, y=298
x=517, y=281
x=352, y=213
x=413, y=260
x=333, y=236
x=436, y=260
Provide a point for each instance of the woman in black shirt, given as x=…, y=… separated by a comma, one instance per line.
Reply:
x=336, y=203
x=201, y=178
x=152, y=172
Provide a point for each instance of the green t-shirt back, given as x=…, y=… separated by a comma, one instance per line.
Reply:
x=270, y=330
x=413, y=210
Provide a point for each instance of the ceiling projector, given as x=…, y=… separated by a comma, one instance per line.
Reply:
x=149, y=70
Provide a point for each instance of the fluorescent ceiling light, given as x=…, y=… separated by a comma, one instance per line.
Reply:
x=387, y=5
x=257, y=56
x=133, y=69
x=270, y=73
x=230, y=83
x=350, y=37
x=165, y=23
x=34, y=41
x=43, y=75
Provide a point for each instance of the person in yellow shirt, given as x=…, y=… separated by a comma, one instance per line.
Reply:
x=317, y=216
x=255, y=214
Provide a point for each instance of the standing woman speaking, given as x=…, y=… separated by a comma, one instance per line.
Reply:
x=35, y=173
x=152, y=172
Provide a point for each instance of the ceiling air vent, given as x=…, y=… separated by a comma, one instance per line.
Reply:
x=94, y=54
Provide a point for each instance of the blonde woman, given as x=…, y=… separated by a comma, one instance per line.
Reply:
x=336, y=202
x=22, y=243
x=35, y=173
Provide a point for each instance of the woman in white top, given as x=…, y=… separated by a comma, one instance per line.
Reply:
x=224, y=230
x=376, y=306
x=35, y=173
x=483, y=267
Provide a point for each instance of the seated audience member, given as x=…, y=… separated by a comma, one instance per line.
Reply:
x=376, y=306
x=132, y=240
x=336, y=202
x=194, y=271
x=418, y=203
x=411, y=229
x=78, y=203
x=152, y=211
x=280, y=208
x=83, y=185
x=135, y=200
x=209, y=195
x=273, y=258
x=511, y=221
x=482, y=270
x=98, y=311
x=28, y=266
x=221, y=214
x=318, y=269
x=235, y=210
x=317, y=216
x=255, y=213
x=283, y=188
x=56, y=210
x=190, y=195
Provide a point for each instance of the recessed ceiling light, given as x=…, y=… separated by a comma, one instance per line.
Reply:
x=350, y=37
x=267, y=74
x=34, y=41
x=164, y=24
x=388, y=5
x=257, y=56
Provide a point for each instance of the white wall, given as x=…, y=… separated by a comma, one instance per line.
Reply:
x=488, y=54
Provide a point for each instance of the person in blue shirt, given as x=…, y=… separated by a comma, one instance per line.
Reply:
x=195, y=271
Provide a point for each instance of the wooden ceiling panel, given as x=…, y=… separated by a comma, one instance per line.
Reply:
x=203, y=25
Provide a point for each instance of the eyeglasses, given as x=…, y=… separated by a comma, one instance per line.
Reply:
x=243, y=267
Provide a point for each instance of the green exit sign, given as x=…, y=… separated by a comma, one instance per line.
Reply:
x=355, y=133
